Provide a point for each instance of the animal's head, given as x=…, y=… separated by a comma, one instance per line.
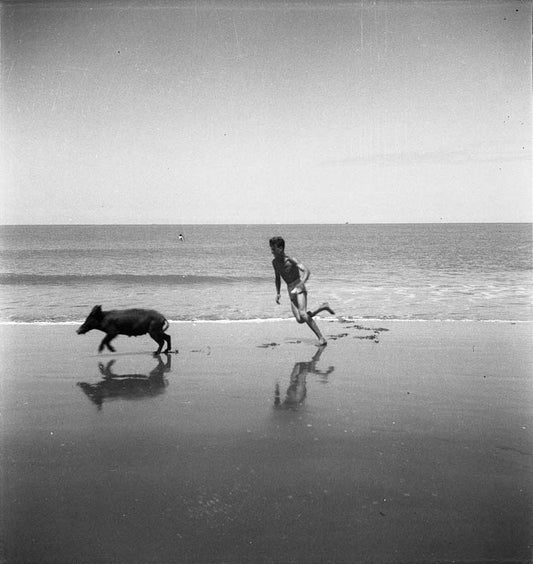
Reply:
x=93, y=320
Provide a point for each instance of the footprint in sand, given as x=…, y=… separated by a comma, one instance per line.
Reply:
x=206, y=350
x=335, y=337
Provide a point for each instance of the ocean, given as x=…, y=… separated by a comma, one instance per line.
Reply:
x=56, y=274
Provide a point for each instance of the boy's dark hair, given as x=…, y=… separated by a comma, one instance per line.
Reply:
x=277, y=242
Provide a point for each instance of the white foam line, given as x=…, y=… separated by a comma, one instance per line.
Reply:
x=41, y=322
x=256, y=320
x=396, y=320
x=290, y=319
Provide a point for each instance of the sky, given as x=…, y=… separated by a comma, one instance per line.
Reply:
x=118, y=111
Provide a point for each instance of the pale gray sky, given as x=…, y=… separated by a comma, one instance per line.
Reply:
x=266, y=112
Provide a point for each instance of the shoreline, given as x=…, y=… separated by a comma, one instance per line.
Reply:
x=291, y=319
x=399, y=441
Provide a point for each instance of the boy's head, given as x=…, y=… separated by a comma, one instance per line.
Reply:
x=277, y=244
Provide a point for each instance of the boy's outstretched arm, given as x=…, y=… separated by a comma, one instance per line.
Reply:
x=278, y=287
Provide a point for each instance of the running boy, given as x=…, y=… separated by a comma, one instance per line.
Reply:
x=289, y=269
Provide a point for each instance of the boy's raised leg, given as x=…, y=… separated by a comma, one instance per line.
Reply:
x=322, y=307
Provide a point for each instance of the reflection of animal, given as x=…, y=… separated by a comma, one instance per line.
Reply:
x=297, y=390
x=131, y=322
x=127, y=386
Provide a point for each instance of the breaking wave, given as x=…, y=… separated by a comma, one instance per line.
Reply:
x=142, y=279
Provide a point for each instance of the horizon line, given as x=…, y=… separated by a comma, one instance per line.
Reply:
x=277, y=223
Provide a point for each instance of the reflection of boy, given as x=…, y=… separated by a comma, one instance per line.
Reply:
x=289, y=269
x=297, y=390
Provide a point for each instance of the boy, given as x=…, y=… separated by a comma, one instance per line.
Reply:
x=289, y=269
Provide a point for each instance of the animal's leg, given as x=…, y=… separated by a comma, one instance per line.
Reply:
x=106, y=342
x=168, y=341
x=158, y=337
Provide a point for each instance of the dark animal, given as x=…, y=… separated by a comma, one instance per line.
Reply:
x=131, y=322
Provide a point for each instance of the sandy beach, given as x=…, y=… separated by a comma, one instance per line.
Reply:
x=398, y=442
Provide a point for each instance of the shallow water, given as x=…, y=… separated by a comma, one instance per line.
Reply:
x=424, y=271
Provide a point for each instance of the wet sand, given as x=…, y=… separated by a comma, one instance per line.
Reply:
x=398, y=442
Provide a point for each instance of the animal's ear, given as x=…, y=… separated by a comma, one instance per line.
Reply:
x=97, y=310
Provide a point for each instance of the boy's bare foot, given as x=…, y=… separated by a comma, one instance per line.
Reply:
x=322, y=307
x=326, y=307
